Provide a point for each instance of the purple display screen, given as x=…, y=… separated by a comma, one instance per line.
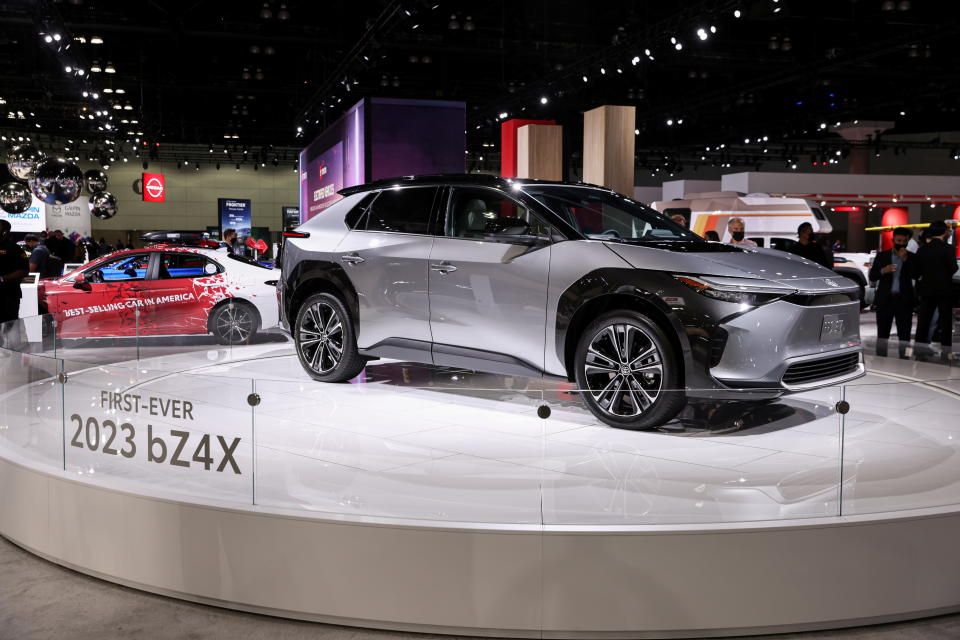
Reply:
x=381, y=138
x=321, y=180
x=410, y=137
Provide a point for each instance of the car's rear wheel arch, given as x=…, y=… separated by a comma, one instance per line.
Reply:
x=323, y=278
x=602, y=304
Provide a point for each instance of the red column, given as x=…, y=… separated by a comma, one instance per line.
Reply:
x=891, y=217
x=508, y=144
x=956, y=239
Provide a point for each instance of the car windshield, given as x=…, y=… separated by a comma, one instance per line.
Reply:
x=604, y=215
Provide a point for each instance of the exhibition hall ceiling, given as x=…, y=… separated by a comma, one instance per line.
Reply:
x=264, y=74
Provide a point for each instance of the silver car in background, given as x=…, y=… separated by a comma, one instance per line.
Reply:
x=573, y=281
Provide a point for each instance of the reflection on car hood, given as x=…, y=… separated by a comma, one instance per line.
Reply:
x=770, y=264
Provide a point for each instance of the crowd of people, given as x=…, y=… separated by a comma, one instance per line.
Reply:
x=923, y=280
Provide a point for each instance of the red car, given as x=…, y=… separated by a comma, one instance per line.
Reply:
x=177, y=290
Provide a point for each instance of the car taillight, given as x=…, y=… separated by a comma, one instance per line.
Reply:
x=295, y=234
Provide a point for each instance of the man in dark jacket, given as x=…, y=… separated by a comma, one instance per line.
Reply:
x=807, y=247
x=892, y=271
x=936, y=262
x=14, y=267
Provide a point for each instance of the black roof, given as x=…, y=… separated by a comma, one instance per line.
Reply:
x=482, y=179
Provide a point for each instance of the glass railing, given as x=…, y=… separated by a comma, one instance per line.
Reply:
x=190, y=419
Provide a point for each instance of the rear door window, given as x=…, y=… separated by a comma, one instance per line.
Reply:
x=402, y=210
x=186, y=265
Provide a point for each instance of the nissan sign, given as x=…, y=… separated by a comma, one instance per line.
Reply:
x=154, y=187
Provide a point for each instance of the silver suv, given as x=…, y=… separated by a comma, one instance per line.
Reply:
x=533, y=278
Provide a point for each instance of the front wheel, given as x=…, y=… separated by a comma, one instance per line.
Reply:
x=325, y=339
x=628, y=372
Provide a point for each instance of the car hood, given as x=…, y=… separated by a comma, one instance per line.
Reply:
x=770, y=264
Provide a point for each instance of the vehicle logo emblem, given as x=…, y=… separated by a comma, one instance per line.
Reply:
x=832, y=283
x=624, y=369
x=154, y=188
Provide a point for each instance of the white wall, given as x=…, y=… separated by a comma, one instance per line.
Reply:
x=192, y=196
x=855, y=184
x=677, y=189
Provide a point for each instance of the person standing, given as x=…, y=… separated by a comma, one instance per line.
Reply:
x=738, y=229
x=680, y=219
x=936, y=264
x=14, y=267
x=892, y=271
x=806, y=247
x=230, y=237
x=41, y=262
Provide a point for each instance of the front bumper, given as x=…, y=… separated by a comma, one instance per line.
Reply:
x=785, y=339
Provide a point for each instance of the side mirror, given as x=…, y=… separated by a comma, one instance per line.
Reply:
x=81, y=283
x=527, y=240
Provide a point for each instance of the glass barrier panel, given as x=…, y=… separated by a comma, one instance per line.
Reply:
x=31, y=407
x=730, y=456
x=161, y=433
x=901, y=446
x=33, y=334
x=94, y=332
x=403, y=440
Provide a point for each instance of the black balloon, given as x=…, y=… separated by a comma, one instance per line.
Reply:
x=96, y=180
x=15, y=197
x=57, y=181
x=103, y=205
x=22, y=161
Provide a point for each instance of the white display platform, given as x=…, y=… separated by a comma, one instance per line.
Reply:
x=438, y=500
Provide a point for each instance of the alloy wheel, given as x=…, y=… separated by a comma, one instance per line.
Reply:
x=321, y=337
x=235, y=324
x=623, y=369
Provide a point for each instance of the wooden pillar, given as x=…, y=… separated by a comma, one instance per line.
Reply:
x=608, y=147
x=540, y=152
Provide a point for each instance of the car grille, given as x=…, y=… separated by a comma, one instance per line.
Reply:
x=821, y=369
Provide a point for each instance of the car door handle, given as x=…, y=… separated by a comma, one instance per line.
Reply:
x=443, y=268
x=351, y=258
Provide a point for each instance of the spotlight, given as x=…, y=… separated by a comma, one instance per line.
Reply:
x=543, y=100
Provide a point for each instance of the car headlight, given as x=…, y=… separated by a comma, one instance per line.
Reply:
x=748, y=291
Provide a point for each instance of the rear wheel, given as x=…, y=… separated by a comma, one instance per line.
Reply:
x=325, y=339
x=234, y=323
x=627, y=371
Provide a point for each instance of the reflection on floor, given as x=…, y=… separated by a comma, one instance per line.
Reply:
x=413, y=441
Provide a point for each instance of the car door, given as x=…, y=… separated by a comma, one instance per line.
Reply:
x=488, y=282
x=181, y=292
x=104, y=301
x=385, y=257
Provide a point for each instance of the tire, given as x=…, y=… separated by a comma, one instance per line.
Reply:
x=324, y=325
x=652, y=397
x=234, y=323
